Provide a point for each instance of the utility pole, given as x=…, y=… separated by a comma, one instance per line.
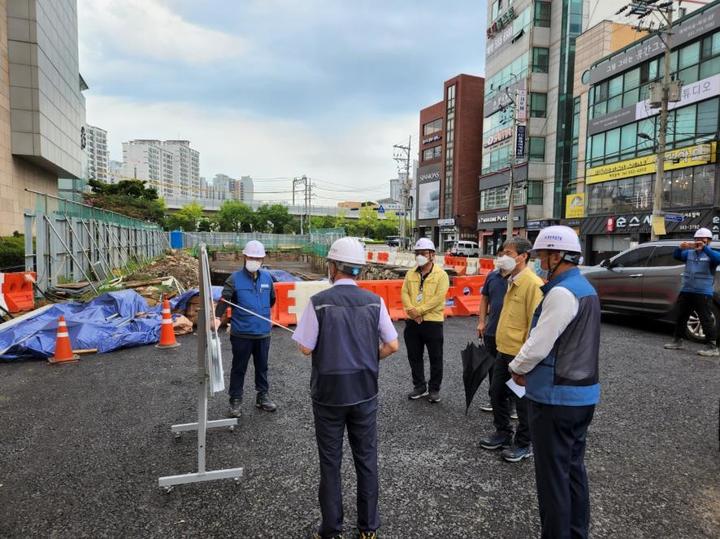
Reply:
x=304, y=181
x=402, y=156
x=516, y=102
x=663, y=93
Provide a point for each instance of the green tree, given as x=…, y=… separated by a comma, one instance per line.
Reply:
x=387, y=227
x=186, y=218
x=323, y=221
x=207, y=224
x=235, y=216
x=273, y=218
x=128, y=197
x=367, y=222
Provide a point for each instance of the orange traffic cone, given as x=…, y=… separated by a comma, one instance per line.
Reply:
x=167, y=334
x=63, y=348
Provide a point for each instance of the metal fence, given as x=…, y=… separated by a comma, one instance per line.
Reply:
x=67, y=241
x=317, y=242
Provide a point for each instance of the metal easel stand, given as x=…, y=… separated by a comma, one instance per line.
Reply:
x=206, y=356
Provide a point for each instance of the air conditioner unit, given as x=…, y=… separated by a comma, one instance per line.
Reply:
x=655, y=95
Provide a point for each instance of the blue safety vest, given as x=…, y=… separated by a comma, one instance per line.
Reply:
x=346, y=358
x=254, y=295
x=569, y=376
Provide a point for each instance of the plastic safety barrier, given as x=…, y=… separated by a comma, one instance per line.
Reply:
x=17, y=291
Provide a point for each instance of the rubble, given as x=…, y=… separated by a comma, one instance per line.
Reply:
x=176, y=263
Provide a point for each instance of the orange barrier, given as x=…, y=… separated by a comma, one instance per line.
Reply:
x=383, y=256
x=63, y=348
x=167, y=333
x=466, y=295
x=17, y=290
x=487, y=264
x=458, y=263
x=281, y=310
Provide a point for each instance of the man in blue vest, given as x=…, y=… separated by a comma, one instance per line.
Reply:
x=347, y=330
x=558, y=365
x=251, y=288
x=698, y=287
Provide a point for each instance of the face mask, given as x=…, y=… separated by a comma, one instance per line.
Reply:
x=543, y=274
x=505, y=263
x=421, y=260
x=252, y=265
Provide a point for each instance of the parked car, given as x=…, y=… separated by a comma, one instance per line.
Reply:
x=464, y=248
x=397, y=241
x=646, y=280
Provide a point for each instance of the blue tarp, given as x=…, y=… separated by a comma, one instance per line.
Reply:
x=107, y=323
x=282, y=276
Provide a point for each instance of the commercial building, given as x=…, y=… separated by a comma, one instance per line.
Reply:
x=42, y=109
x=171, y=166
x=98, y=158
x=446, y=192
x=616, y=185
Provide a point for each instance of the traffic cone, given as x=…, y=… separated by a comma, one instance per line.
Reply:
x=63, y=348
x=167, y=334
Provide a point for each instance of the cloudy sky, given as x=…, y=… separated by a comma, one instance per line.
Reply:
x=277, y=88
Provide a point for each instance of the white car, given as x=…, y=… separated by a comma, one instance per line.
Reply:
x=465, y=248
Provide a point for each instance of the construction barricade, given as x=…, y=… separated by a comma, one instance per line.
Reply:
x=16, y=291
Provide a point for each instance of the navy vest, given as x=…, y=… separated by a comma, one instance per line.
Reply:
x=569, y=376
x=699, y=274
x=346, y=358
x=254, y=295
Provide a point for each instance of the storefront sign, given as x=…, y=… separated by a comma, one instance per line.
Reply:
x=434, y=138
x=520, y=141
x=539, y=225
x=495, y=220
x=612, y=120
x=501, y=98
x=700, y=154
x=575, y=206
x=642, y=223
x=521, y=105
x=501, y=22
x=501, y=135
x=446, y=222
x=684, y=32
x=689, y=94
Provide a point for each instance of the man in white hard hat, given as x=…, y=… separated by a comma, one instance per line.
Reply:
x=558, y=365
x=251, y=288
x=423, y=297
x=347, y=330
x=697, y=290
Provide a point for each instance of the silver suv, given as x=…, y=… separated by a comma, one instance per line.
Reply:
x=646, y=280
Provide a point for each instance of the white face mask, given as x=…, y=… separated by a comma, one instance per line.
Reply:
x=505, y=263
x=252, y=265
x=421, y=260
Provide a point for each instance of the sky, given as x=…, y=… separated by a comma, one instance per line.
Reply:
x=277, y=88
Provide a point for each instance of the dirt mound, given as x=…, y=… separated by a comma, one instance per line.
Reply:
x=178, y=264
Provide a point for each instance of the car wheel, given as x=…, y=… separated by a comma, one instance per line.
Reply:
x=694, y=330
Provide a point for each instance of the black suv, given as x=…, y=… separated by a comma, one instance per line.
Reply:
x=646, y=280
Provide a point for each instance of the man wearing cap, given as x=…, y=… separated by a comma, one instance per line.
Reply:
x=347, y=330
x=558, y=365
x=423, y=297
x=251, y=288
x=697, y=290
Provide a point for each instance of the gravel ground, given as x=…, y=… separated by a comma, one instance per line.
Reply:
x=82, y=446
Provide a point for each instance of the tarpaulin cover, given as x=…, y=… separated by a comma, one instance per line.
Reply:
x=181, y=302
x=108, y=322
x=282, y=276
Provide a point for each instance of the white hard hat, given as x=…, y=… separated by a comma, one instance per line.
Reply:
x=254, y=249
x=558, y=238
x=424, y=244
x=347, y=250
x=703, y=233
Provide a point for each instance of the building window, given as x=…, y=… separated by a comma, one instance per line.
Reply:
x=540, y=59
x=542, y=14
x=536, y=146
x=538, y=104
x=432, y=153
x=451, y=98
x=496, y=198
x=535, y=193
x=433, y=127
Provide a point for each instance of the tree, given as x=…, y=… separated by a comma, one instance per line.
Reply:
x=235, y=216
x=275, y=219
x=323, y=221
x=186, y=218
x=206, y=224
x=128, y=197
x=367, y=222
x=387, y=227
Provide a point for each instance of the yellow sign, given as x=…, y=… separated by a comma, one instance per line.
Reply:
x=691, y=156
x=658, y=225
x=575, y=206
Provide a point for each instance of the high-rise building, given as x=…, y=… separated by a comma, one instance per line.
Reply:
x=97, y=153
x=446, y=191
x=115, y=171
x=42, y=108
x=247, y=189
x=171, y=166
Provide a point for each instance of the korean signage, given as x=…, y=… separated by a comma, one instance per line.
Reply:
x=691, y=93
x=642, y=223
x=575, y=206
x=499, y=136
x=520, y=141
x=495, y=220
x=501, y=22
x=446, y=222
x=434, y=138
x=684, y=32
x=700, y=154
x=521, y=105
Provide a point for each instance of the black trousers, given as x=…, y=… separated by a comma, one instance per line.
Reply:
x=491, y=346
x=500, y=397
x=701, y=304
x=558, y=435
x=361, y=423
x=418, y=337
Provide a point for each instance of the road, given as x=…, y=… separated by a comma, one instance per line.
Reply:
x=82, y=447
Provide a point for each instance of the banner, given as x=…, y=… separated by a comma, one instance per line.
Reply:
x=575, y=206
x=520, y=141
x=428, y=200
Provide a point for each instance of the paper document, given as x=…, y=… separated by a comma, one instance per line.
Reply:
x=517, y=389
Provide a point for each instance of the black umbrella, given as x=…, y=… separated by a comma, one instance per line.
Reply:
x=477, y=362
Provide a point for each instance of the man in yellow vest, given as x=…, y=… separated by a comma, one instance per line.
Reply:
x=423, y=296
x=522, y=298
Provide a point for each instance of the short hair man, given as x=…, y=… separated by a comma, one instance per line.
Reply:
x=341, y=327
